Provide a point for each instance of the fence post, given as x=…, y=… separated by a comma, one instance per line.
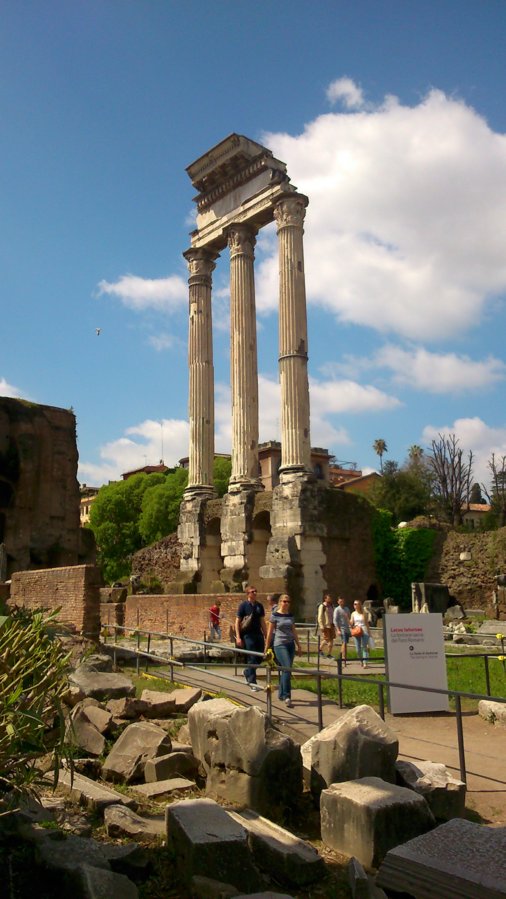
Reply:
x=320, y=709
x=205, y=649
x=307, y=641
x=268, y=691
x=339, y=681
x=318, y=652
x=460, y=737
x=166, y=621
x=487, y=674
x=138, y=658
x=149, y=647
x=381, y=702
x=171, y=646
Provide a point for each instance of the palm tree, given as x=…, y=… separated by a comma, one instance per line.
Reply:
x=379, y=446
x=415, y=453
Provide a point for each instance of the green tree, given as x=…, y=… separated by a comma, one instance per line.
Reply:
x=496, y=495
x=160, y=507
x=380, y=448
x=222, y=469
x=402, y=492
x=33, y=667
x=114, y=520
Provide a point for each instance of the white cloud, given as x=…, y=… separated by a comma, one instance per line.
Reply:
x=7, y=389
x=164, y=341
x=349, y=397
x=142, y=444
x=346, y=91
x=474, y=434
x=404, y=232
x=161, y=294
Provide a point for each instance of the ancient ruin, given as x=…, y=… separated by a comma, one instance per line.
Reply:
x=280, y=539
x=39, y=492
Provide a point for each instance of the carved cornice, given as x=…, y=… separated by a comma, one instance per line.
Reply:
x=235, y=180
x=290, y=212
x=241, y=240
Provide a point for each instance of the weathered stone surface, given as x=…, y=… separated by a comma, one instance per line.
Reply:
x=88, y=792
x=158, y=704
x=102, y=685
x=83, y=734
x=183, y=734
x=95, y=883
x=367, y=817
x=494, y=712
x=358, y=880
x=126, y=858
x=357, y=745
x=175, y=764
x=246, y=760
x=185, y=698
x=128, y=707
x=446, y=796
x=276, y=851
x=99, y=717
x=68, y=853
x=97, y=661
x=207, y=888
x=138, y=743
x=120, y=821
x=162, y=788
x=205, y=840
x=458, y=859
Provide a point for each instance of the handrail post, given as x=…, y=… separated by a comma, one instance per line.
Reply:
x=318, y=652
x=381, y=702
x=320, y=709
x=205, y=649
x=149, y=647
x=268, y=691
x=138, y=658
x=171, y=648
x=460, y=737
x=340, y=681
x=307, y=640
x=487, y=674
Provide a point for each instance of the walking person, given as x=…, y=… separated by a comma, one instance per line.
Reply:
x=359, y=621
x=326, y=625
x=215, y=619
x=342, y=626
x=250, y=630
x=282, y=636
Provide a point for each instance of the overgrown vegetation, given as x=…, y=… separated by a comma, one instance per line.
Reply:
x=401, y=556
x=33, y=668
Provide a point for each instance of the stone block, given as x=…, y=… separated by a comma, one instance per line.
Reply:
x=175, y=764
x=158, y=704
x=207, y=888
x=98, y=884
x=184, y=698
x=494, y=712
x=367, y=817
x=101, y=685
x=162, y=788
x=456, y=860
x=291, y=861
x=205, y=840
x=99, y=717
x=138, y=743
x=120, y=822
x=82, y=733
x=97, y=661
x=88, y=792
x=126, y=708
x=358, y=880
x=445, y=795
x=359, y=744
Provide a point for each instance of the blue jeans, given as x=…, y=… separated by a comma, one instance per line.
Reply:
x=255, y=643
x=361, y=644
x=285, y=653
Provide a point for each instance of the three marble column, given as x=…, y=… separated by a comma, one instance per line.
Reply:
x=289, y=215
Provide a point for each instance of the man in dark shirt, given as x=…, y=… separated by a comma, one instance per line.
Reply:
x=254, y=639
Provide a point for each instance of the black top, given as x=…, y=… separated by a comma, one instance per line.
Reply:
x=252, y=608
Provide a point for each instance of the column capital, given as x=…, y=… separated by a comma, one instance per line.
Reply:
x=201, y=261
x=290, y=211
x=241, y=240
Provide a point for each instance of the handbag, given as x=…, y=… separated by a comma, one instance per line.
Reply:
x=356, y=631
x=246, y=623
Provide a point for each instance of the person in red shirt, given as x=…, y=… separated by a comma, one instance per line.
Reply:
x=215, y=617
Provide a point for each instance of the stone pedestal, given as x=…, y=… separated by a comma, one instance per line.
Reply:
x=236, y=532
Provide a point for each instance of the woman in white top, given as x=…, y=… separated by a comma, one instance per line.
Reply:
x=360, y=619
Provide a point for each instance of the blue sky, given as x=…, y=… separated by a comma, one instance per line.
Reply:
x=390, y=117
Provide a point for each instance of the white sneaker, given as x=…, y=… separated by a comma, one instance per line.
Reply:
x=289, y=703
x=255, y=688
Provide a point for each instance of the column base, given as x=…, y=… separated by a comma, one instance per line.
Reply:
x=244, y=485
x=290, y=474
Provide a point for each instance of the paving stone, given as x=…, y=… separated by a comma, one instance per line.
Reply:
x=206, y=840
x=278, y=852
x=458, y=860
x=160, y=788
x=365, y=818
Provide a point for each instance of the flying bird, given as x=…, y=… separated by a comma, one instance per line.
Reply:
x=98, y=330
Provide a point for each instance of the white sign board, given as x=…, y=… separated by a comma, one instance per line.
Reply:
x=414, y=653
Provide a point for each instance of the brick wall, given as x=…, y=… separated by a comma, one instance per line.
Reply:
x=73, y=590
x=186, y=615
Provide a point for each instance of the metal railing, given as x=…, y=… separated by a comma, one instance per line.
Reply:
x=303, y=673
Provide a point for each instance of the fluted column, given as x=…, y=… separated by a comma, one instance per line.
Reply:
x=201, y=264
x=295, y=437
x=243, y=358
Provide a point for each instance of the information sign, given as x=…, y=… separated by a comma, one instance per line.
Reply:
x=414, y=654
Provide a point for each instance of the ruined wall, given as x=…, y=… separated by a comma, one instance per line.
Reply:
x=350, y=568
x=74, y=590
x=39, y=492
x=471, y=582
x=186, y=615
